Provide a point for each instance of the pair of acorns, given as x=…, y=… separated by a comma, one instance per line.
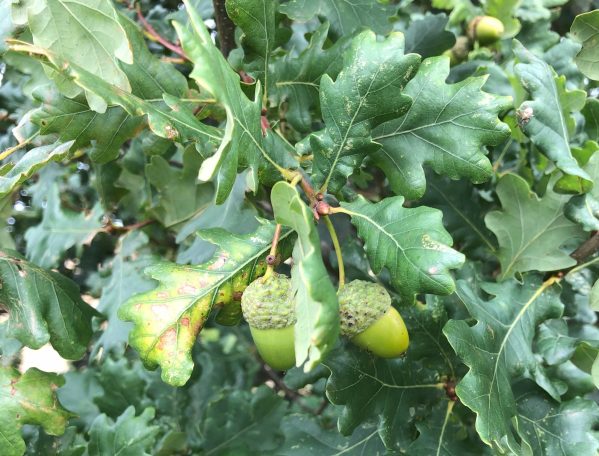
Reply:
x=366, y=316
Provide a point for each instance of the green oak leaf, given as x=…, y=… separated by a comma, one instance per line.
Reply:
x=295, y=80
x=12, y=175
x=463, y=211
x=130, y=435
x=591, y=118
x=550, y=428
x=396, y=394
x=447, y=126
x=85, y=32
x=29, y=398
x=551, y=124
x=531, y=230
x=367, y=92
x=168, y=319
x=252, y=429
x=171, y=119
x=126, y=278
x=74, y=120
x=43, y=306
x=585, y=29
x=149, y=76
x=445, y=434
x=584, y=209
x=499, y=349
x=316, y=304
x=6, y=209
x=258, y=20
x=428, y=37
x=345, y=16
x=243, y=144
x=505, y=11
x=561, y=58
x=538, y=36
x=236, y=215
x=70, y=443
x=305, y=436
x=59, y=230
x=180, y=196
x=410, y=242
x=574, y=184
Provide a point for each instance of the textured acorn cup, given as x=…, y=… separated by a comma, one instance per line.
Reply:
x=486, y=29
x=268, y=307
x=369, y=320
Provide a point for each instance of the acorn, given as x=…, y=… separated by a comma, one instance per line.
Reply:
x=486, y=29
x=269, y=308
x=370, y=321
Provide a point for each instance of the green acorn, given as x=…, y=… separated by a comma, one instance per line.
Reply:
x=370, y=321
x=486, y=29
x=269, y=308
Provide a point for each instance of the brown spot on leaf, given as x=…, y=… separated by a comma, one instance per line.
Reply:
x=185, y=321
x=168, y=339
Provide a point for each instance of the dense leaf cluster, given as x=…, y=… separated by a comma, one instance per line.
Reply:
x=152, y=165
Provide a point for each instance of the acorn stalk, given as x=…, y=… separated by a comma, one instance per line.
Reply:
x=370, y=321
x=269, y=308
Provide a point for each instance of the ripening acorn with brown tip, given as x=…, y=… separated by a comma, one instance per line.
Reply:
x=370, y=321
x=268, y=306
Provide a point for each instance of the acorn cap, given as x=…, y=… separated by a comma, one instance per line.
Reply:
x=269, y=304
x=361, y=303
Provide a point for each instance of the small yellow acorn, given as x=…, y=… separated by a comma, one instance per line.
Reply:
x=370, y=321
x=485, y=29
x=269, y=308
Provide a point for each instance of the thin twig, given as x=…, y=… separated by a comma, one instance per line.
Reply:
x=290, y=394
x=587, y=248
x=225, y=27
x=110, y=228
x=156, y=36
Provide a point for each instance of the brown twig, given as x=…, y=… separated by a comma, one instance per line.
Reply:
x=156, y=36
x=225, y=27
x=110, y=228
x=290, y=394
x=588, y=247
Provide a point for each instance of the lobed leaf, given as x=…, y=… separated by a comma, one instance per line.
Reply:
x=130, y=435
x=345, y=16
x=86, y=33
x=398, y=395
x=13, y=175
x=585, y=29
x=499, y=349
x=43, y=306
x=295, y=80
x=448, y=126
x=367, y=92
x=168, y=319
x=548, y=121
x=531, y=230
x=242, y=145
x=410, y=242
x=59, y=230
x=28, y=398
